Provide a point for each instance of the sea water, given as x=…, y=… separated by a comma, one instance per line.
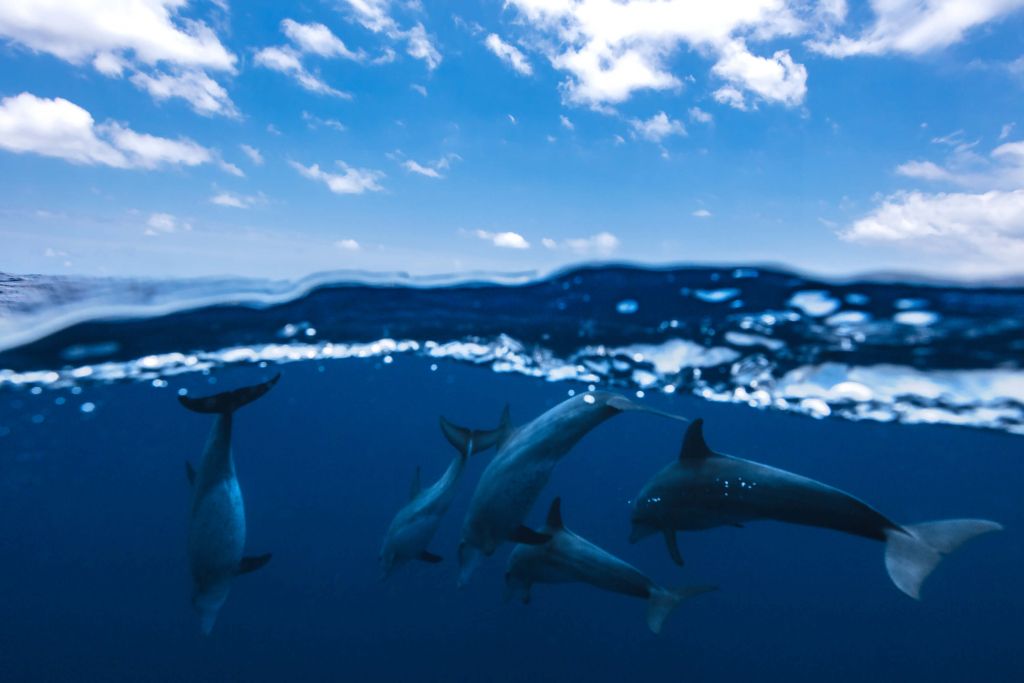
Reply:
x=907, y=395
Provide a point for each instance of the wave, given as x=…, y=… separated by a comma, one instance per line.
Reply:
x=859, y=349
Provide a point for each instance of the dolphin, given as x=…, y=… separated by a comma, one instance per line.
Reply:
x=703, y=489
x=216, y=522
x=526, y=456
x=415, y=524
x=567, y=558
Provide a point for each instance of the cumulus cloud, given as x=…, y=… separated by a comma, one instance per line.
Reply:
x=701, y=213
x=348, y=245
x=730, y=96
x=509, y=54
x=431, y=169
x=699, y=115
x=566, y=123
x=164, y=223
x=288, y=61
x=169, y=54
x=1001, y=169
x=602, y=244
x=349, y=181
x=505, y=240
x=776, y=79
x=913, y=27
x=254, y=154
x=237, y=201
x=657, y=128
x=375, y=15
x=61, y=129
x=316, y=39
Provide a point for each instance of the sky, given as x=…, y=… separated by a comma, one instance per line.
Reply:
x=180, y=138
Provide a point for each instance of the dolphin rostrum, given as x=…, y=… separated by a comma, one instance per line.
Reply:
x=568, y=558
x=216, y=523
x=703, y=489
x=415, y=524
x=521, y=468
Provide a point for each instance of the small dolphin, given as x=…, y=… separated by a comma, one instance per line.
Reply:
x=704, y=489
x=216, y=523
x=568, y=558
x=415, y=524
x=515, y=477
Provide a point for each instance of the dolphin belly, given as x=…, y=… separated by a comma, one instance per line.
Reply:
x=216, y=533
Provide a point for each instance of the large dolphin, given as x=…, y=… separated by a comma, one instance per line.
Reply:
x=568, y=558
x=415, y=524
x=216, y=522
x=704, y=489
x=521, y=468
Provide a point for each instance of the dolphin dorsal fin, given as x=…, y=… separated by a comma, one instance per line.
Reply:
x=414, y=490
x=554, y=520
x=694, y=446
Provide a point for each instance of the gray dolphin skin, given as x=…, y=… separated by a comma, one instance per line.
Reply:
x=569, y=558
x=415, y=524
x=512, y=481
x=703, y=489
x=216, y=523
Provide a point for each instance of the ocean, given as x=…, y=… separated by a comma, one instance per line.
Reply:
x=908, y=395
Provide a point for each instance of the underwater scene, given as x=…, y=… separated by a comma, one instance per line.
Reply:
x=612, y=473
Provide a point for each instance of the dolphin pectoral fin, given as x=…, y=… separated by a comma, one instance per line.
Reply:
x=430, y=557
x=527, y=536
x=673, y=546
x=252, y=563
x=190, y=472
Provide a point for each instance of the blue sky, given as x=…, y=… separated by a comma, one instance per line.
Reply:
x=171, y=138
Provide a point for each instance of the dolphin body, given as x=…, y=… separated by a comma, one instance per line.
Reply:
x=526, y=456
x=415, y=524
x=568, y=558
x=704, y=489
x=216, y=523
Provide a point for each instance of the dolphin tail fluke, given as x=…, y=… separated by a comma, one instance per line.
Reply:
x=662, y=602
x=469, y=441
x=229, y=401
x=911, y=553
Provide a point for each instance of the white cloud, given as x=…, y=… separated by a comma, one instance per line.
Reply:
x=432, y=169
x=419, y=88
x=59, y=128
x=505, y=240
x=613, y=48
x=237, y=201
x=657, y=128
x=206, y=95
x=549, y=243
x=350, y=181
x=509, y=54
x=699, y=115
x=513, y=120
x=253, y=154
x=136, y=35
x=602, y=244
x=986, y=229
x=730, y=96
x=375, y=15
x=314, y=121
x=776, y=79
x=566, y=123
x=1002, y=169
x=701, y=213
x=316, y=39
x=287, y=61
x=164, y=223
x=415, y=167
x=914, y=27
x=1005, y=131
x=348, y=245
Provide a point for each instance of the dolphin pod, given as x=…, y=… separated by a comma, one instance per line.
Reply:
x=216, y=522
x=567, y=557
x=703, y=489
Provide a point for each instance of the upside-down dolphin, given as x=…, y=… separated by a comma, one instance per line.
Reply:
x=216, y=523
x=415, y=524
x=521, y=468
x=568, y=558
x=703, y=489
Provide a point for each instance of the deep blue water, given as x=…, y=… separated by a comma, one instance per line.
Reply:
x=93, y=508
